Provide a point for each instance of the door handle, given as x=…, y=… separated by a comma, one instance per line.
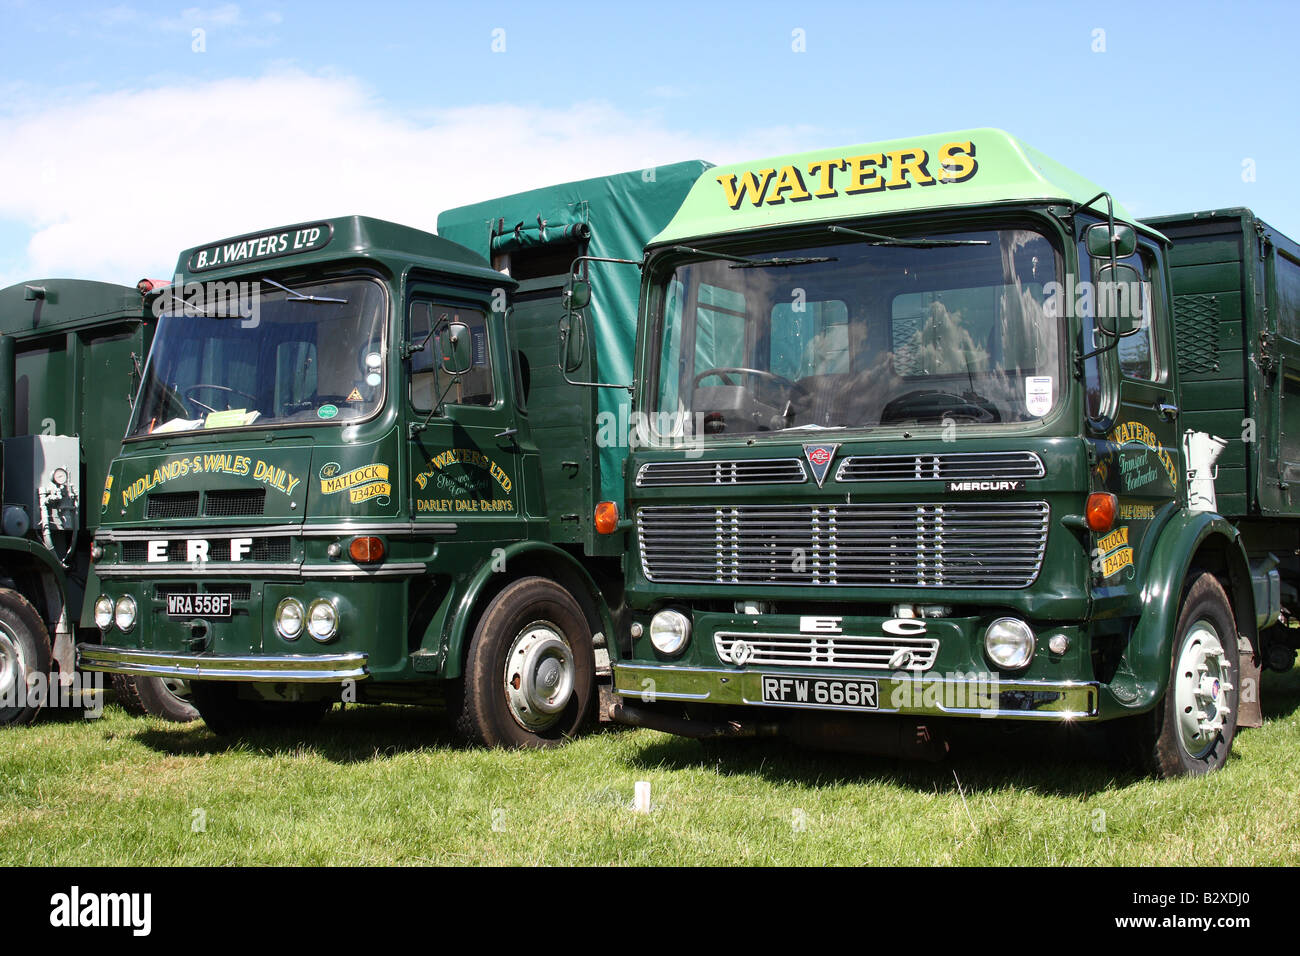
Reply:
x=1167, y=412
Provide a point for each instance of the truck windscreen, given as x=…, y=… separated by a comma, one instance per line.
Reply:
x=860, y=335
x=310, y=354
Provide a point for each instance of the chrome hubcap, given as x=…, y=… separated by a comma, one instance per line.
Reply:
x=1202, y=682
x=13, y=668
x=539, y=676
x=177, y=687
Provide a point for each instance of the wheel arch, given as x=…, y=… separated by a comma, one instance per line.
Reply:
x=35, y=574
x=465, y=604
x=1192, y=540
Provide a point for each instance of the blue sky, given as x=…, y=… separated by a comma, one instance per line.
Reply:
x=120, y=143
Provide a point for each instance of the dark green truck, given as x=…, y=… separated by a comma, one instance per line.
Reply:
x=70, y=354
x=357, y=471
x=929, y=429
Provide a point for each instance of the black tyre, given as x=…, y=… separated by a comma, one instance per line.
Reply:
x=229, y=715
x=24, y=651
x=156, y=697
x=1191, y=730
x=530, y=677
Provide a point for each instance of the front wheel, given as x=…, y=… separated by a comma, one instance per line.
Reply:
x=530, y=675
x=24, y=652
x=165, y=697
x=1191, y=730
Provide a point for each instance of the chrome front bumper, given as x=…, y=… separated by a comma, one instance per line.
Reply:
x=969, y=695
x=293, y=668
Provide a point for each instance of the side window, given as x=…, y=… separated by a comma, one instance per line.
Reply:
x=475, y=386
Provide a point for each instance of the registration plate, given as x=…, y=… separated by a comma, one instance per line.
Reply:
x=840, y=693
x=198, y=605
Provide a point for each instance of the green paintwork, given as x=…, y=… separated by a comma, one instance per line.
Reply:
x=75, y=345
x=1008, y=171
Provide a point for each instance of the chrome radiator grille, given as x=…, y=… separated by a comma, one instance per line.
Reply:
x=987, y=544
x=740, y=472
x=827, y=650
x=951, y=466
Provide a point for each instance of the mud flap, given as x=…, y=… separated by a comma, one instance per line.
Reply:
x=1249, y=667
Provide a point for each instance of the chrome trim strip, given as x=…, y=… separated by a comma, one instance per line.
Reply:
x=1049, y=700
x=244, y=570
x=355, y=570
x=397, y=529
x=295, y=668
x=241, y=569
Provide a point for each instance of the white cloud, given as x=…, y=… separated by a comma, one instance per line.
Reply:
x=117, y=184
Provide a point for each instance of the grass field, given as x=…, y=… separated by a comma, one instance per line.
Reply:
x=385, y=785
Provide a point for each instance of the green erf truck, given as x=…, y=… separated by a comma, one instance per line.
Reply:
x=70, y=354
x=357, y=469
x=935, y=428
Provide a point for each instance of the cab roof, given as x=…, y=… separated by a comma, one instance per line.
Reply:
x=973, y=167
x=324, y=240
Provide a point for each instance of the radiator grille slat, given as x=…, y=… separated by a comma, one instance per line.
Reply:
x=965, y=544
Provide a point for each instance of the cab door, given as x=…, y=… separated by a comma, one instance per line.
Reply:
x=1143, y=463
x=464, y=460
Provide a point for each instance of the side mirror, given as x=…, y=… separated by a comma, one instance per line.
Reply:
x=577, y=294
x=456, y=349
x=1102, y=242
x=1121, y=307
x=573, y=340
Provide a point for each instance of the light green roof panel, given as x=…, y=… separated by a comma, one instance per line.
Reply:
x=966, y=168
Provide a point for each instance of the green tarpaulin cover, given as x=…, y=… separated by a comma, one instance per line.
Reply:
x=622, y=213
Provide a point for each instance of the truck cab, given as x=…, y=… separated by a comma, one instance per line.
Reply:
x=910, y=449
x=334, y=488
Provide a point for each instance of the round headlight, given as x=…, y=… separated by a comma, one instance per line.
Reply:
x=669, y=631
x=124, y=612
x=288, y=619
x=1009, y=643
x=103, y=612
x=322, y=620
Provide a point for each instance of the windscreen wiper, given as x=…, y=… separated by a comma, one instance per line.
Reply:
x=744, y=262
x=296, y=296
x=190, y=309
x=879, y=240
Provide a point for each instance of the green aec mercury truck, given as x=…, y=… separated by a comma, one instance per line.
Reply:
x=929, y=428
x=354, y=472
x=70, y=355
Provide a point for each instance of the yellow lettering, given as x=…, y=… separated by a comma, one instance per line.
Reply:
x=750, y=185
x=862, y=177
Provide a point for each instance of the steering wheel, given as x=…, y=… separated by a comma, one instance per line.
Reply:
x=219, y=388
x=723, y=371
x=938, y=405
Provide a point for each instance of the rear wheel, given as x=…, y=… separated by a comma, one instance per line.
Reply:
x=24, y=652
x=229, y=715
x=1191, y=730
x=531, y=671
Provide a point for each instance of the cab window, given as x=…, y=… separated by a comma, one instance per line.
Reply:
x=428, y=381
